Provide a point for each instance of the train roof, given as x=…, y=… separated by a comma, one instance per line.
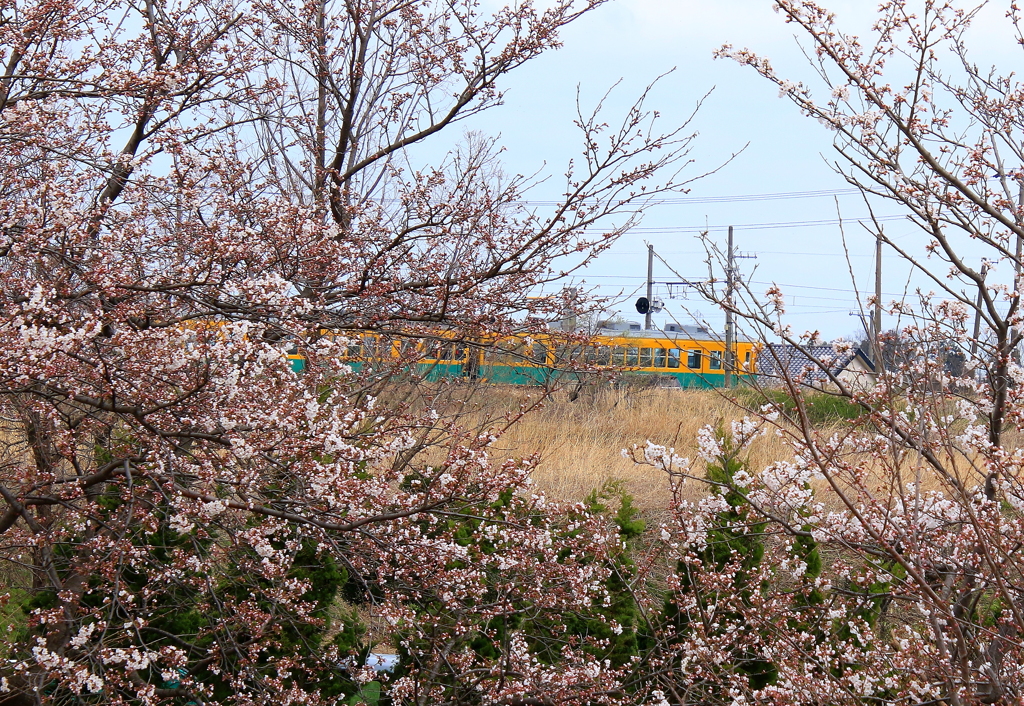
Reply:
x=676, y=333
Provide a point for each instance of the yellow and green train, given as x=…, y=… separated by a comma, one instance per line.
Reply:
x=690, y=357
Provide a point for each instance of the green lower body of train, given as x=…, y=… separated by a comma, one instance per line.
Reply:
x=539, y=375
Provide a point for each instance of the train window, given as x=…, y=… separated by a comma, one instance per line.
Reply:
x=602, y=355
x=693, y=360
x=516, y=353
x=509, y=352
x=673, y=357
x=539, y=354
x=746, y=360
x=659, y=357
x=715, y=360
x=354, y=349
x=578, y=354
x=450, y=351
x=370, y=348
x=644, y=360
x=618, y=356
x=406, y=348
x=632, y=353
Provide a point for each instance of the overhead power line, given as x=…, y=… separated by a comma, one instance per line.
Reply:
x=761, y=252
x=735, y=198
x=851, y=291
x=758, y=226
x=824, y=289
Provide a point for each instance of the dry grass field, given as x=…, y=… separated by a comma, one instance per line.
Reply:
x=580, y=441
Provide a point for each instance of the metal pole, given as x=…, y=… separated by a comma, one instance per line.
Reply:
x=650, y=286
x=977, y=310
x=876, y=321
x=729, y=282
x=1017, y=268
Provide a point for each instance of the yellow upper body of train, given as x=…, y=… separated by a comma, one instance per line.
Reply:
x=691, y=357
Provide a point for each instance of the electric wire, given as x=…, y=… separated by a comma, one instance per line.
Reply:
x=734, y=198
x=759, y=252
x=654, y=230
x=759, y=282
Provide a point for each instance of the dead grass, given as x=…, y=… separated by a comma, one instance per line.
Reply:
x=580, y=441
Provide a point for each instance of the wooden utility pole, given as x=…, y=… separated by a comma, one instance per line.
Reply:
x=730, y=275
x=650, y=286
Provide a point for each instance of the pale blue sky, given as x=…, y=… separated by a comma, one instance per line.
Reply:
x=636, y=40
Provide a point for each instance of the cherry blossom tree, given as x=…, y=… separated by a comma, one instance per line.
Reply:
x=190, y=188
x=887, y=561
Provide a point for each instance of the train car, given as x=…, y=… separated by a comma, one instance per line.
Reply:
x=434, y=358
x=689, y=357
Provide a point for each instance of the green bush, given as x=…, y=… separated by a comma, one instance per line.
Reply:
x=823, y=408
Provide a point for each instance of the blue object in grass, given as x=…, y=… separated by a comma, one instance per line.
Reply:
x=381, y=662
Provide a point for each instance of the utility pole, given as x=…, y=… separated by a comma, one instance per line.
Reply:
x=649, y=305
x=650, y=286
x=876, y=320
x=1016, y=267
x=977, y=309
x=730, y=275
x=729, y=364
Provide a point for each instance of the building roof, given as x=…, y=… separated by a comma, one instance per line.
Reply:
x=797, y=363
